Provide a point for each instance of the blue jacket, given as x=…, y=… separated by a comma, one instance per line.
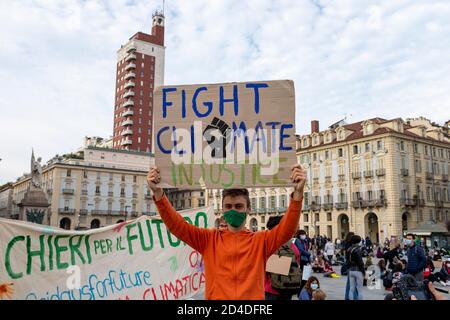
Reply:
x=302, y=246
x=304, y=295
x=416, y=260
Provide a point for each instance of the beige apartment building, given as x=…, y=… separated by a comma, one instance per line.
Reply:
x=91, y=188
x=376, y=177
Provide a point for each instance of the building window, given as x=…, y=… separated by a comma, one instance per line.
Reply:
x=329, y=216
x=253, y=203
x=305, y=218
x=272, y=201
x=97, y=190
x=367, y=147
x=416, y=148
x=262, y=202
x=122, y=192
x=355, y=149
x=314, y=156
x=69, y=173
x=134, y=179
x=340, y=154
x=426, y=150
x=123, y=178
x=327, y=155
x=85, y=174
x=402, y=146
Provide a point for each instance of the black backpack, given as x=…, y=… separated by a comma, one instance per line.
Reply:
x=294, y=279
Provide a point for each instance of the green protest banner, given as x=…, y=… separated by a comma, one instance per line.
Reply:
x=136, y=259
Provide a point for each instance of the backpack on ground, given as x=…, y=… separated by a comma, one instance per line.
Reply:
x=294, y=278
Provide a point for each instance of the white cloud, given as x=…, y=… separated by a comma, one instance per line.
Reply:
x=365, y=58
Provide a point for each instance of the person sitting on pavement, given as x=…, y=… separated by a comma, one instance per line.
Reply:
x=311, y=285
x=318, y=264
x=319, y=295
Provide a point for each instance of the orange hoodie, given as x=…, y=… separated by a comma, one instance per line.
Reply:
x=235, y=263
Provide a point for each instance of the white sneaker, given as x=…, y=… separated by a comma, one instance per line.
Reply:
x=443, y=283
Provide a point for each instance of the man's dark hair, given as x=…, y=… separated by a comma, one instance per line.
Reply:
x=301, y=232
x=355, y=239
x=236, y=192
x=273, y=222
x=410, y=235
x=348, y=237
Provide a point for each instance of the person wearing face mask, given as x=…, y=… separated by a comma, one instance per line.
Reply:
x=307, y=292
x=304, y=246
x=416, y=258
x=234, y=259
x=443, y=276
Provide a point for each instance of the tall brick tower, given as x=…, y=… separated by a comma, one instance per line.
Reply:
x=140, y=69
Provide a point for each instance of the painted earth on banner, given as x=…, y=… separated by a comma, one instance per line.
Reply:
x=137, y=260
x=225, y=135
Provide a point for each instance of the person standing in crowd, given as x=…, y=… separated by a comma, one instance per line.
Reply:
x=304, y=247
x=356, y=270
x=368, y=245
x=344, y=270
x=281, y=293
x=390, y=255
x=329, y=250
x=416, y=258
x=307, y=292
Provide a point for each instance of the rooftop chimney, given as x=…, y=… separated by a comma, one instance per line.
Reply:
x=314, y=126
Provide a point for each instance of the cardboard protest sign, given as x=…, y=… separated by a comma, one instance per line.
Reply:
x=136, y=259
x=278, y=264
x=225, y=135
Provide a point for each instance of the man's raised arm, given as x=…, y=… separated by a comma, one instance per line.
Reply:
x=195, y=237
x=288, y=225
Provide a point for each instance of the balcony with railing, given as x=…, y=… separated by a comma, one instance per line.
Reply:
x=327, y=206
x=129, y=84
x=129, y=75
x=135, y=195
x=306, y=207
x=408, y=202
x=134, y=214
x=128, y=103
x=429, y=176
x=272, y=210
x=439, y=203
x=327, y=179
x=128, y=113
x=68, y=191
x=127, y=122
x=129, y=93
x=341, y=177
x=357, y=203
x=380, y=172
x=66, y=211
x=127, y=132
x=126, y=142
x=368, y=174
x=380, y=202
x=315, y=206
x=356, y=175
x=445, y=177
x=150, y=213
x=110, y=193
x=281, y=209
x=83, y=212
x=130, y=66
x=341, y=205
x=262, y=210
x=131, y=48
x=84, y=192
x=404, y=172
x=129, y=57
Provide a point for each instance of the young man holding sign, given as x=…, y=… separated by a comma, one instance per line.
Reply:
x=234, y=259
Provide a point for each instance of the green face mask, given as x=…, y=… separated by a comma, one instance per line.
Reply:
x=234, y=218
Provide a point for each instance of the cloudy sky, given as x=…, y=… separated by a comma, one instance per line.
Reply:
x=354, y=58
